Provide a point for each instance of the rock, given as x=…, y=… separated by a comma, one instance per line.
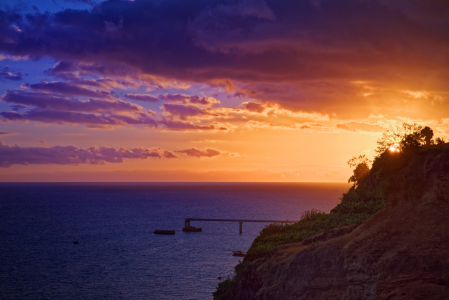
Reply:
x=238, y=253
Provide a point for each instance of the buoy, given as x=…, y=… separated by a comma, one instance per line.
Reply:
x=75, y=242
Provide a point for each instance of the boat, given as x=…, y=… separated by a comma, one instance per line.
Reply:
x=192, y=229
x=238, y=253
x=164, y=232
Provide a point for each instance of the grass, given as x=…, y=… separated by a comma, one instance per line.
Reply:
x=356, y=206
x=224, y=289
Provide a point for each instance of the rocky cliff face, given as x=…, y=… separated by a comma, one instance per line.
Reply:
x=402, y=252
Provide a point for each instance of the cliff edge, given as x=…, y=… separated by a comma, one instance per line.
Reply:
x=401, y=252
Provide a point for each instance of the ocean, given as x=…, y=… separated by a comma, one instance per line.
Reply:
x=117, y=255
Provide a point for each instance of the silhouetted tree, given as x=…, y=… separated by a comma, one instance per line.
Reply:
x=427, y=134
x=361, y=168
x=440, y=141
x=411, y=142
x=398, y=134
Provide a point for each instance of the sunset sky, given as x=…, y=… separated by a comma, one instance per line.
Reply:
x=192, y=90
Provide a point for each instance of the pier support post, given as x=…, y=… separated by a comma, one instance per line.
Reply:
x=240, y=227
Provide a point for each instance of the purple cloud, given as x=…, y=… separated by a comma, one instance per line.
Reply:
x=184, y=99
x=64, y=117
x=10, y=76
x=184, y=111
x=71, y=155
x=142, y=97
x=90, y=2
x=103, y=120
x=199, y=39
x=17, y=107
x=69, y=89
x=177, y=98
x=253, y=107
x=72, y=70
x=200, y=153
x=56, y=102
x=203, y=100
x=316, y=51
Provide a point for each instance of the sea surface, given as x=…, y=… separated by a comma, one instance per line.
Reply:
x=117, y=255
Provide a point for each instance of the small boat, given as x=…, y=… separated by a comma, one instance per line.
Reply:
x=164, y=232
x=238, y=253
x=192, y=229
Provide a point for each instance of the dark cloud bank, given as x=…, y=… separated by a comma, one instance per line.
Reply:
x=245, y=41
x=71, y=155
x=195, y=38
x=59, y=103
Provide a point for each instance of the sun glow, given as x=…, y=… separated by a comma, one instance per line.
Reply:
x=394, y=148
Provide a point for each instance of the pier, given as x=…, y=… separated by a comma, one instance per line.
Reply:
x=240, y=221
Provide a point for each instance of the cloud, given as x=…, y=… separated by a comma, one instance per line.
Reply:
x=90, y=2
x=181, y=98
x=187, y=126
x=65, y=117
x=303, y=55
x=71, y=155
x=6, y=133
x=69, y=89
x=75, y=69
x=203, y=100
x=184, y=111
x=142, y=97
x=108, y=120
x=57, y=102
x=208, y=152
x=306, y=126
x=253, y=107
x=10, y=76
x=43, y=143
x=13, y=58
x=357, y=126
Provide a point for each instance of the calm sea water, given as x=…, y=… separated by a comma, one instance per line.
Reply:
x=118, y=256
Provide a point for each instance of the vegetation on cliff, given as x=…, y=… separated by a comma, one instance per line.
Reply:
x=396, y=149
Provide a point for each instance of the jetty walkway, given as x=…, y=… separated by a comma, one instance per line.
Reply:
x=240, y=221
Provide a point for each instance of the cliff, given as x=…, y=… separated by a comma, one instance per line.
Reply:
x=401, y=252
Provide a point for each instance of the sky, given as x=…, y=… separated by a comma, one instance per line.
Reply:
x=196, y=90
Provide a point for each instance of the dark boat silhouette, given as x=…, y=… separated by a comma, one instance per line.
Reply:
x=164, y=232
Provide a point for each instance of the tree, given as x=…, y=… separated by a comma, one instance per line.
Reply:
x=361, y=168
x=440, y=141
x=410, y=142
x=394, y=137
x=427, y=134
